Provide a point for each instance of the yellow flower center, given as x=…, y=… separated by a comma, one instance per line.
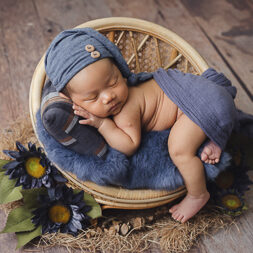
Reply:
x=231, y=201
x=34, y=168
x=59, y=214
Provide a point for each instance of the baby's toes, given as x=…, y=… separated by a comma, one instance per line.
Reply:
x=175, y=215
x=180, y=217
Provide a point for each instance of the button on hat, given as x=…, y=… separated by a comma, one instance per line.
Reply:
x=95, y=54
x=89, y=48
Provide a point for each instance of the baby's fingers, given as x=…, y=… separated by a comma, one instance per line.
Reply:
x=85, y=122
x=82, y=113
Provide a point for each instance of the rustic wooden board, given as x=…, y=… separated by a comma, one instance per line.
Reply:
x=22, y=43
x=228, y=25
x=221, y=31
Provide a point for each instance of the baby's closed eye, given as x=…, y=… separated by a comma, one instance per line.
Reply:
x=114, y=82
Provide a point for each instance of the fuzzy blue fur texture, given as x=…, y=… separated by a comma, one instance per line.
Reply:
x=150, y=167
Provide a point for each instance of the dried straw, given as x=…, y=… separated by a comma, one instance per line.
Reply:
x=163, y=232
x=23, y=133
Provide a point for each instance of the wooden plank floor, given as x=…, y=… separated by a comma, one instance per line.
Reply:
x=221, y=31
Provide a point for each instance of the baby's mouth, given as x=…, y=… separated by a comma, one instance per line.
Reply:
x=114, y=107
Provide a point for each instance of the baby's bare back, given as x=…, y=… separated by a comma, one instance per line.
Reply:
x=148, y=100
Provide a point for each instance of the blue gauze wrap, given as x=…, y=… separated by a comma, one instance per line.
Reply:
x=207, y=100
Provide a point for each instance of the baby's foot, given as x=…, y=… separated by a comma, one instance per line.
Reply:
x=211, y=153
x=188, y=207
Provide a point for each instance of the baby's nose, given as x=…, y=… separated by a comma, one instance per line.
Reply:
x=108, y=97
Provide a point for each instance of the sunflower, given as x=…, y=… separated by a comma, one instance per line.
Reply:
x=31, y=168
x=61, y=209
x=231, y=202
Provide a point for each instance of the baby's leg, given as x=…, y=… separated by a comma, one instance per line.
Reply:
x=184, y=140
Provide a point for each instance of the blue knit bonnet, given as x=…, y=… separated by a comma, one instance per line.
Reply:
x=72, y=50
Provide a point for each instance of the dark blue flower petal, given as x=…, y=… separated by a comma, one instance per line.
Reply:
x=64, y=228
x=12, y=165
x=77, y=216
x=72, y=227
x=48, y=182
x=40, y=149
x=25, y=186
x=74, y=208
x=22, y=179
x=45, y=228
x=20, y=147
x=13, y=174
x=86, y=209
x=48, y=171
x=43, y=162
x=59, y=192
x=76, y=223
x=17, y=183
x=34, y=181
x=78, y=197
x=59, y=178
x=39, y=183
x=44, y=179
x=32, y=147
x=68, y=195
x=51, y=194
x=12, y=154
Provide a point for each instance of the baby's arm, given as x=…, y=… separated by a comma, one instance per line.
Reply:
x=124, y=135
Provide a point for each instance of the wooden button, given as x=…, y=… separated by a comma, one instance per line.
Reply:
x=95, y=54
x=89, y=48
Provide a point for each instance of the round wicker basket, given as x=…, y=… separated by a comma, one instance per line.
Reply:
x=146, y=47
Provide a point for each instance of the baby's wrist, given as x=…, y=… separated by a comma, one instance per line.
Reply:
x=102, y=125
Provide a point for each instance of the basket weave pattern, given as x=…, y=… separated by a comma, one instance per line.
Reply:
x=144, y=52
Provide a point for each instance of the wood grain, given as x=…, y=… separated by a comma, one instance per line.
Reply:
x=228, y=26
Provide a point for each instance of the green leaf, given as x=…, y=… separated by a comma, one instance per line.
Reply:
x=19, y=219
x=2, y=163
x=2, y=175
x=9, y=192
x=31, y=196
x=25, y=237
x=96, y=210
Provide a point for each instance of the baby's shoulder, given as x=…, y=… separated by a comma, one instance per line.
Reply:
x=132, y=108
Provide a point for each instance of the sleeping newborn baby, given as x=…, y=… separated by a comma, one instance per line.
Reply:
x=86, y=67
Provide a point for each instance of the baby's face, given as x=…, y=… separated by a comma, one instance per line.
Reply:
x=99, y=88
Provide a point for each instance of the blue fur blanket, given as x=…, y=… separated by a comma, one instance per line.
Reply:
x=150, y=167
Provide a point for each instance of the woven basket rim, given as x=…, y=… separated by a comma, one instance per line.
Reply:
x=104, y=194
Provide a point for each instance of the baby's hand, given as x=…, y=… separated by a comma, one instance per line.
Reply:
x=90, y=119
